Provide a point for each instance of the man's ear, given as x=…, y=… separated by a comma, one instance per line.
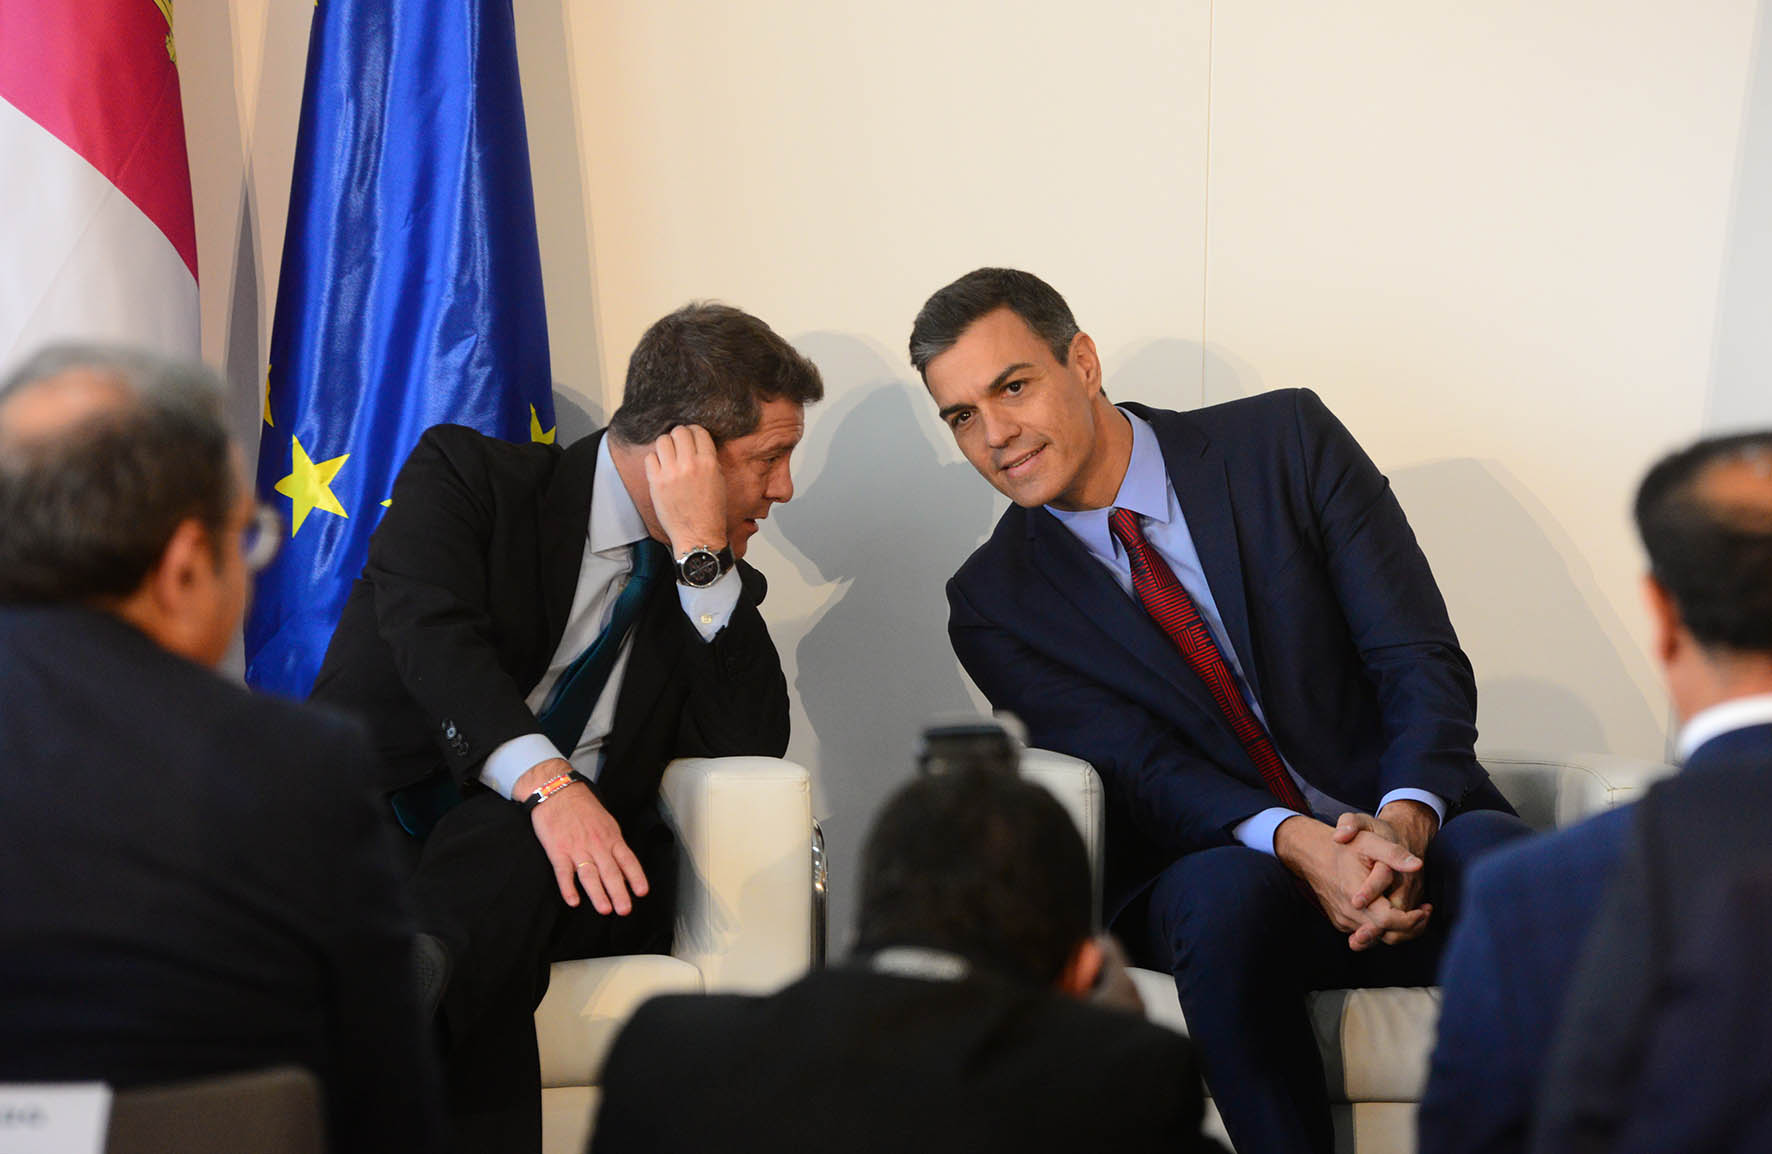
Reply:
x=1085, y=360
x=176, y=597
x=1080, y=972
x=1667, y=632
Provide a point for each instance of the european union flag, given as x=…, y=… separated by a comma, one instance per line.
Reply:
x=410, y=292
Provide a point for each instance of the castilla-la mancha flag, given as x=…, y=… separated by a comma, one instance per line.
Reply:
x=97, y=239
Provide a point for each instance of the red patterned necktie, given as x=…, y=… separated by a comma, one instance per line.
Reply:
x=1170, y=606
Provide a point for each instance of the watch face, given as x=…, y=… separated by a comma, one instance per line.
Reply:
x=699, y=568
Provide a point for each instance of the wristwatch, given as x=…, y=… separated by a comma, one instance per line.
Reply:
x=701, y=566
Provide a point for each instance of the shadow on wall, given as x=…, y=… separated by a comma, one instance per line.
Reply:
x=890, y=521
x=1741, y=349
x=1517, y=605
x=574, y=418
x=562, y=219
x=1556, y=671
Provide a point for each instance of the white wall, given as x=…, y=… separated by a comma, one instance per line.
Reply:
x=1518, y=246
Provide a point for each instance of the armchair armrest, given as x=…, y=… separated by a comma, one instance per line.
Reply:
x=1075, y=784
x=1553, y=791
x=744, y=900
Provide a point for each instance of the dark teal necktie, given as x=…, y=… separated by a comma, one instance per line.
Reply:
x=568, y=708
x=421, y=805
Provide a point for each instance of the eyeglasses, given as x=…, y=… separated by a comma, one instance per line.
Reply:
x=261, y=538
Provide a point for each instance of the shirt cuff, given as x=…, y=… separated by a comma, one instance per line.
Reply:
x=515, y=758
x=710, y=608
x=1432, y=800
x=1258, y=832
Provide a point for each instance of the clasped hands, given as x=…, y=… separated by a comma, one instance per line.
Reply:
x=1365, y=871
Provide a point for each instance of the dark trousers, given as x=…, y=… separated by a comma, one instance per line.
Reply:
x=1246, y=942
x=482, y=884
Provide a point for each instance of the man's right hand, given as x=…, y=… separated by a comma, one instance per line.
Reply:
x=1337, y=873
x=583, y=842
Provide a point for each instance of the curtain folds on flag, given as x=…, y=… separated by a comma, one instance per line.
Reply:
x=410, y=292
x=97, y=236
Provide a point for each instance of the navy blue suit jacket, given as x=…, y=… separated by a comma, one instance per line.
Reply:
x=1329, y=604
x=1606, y=1085
x=1526, y=911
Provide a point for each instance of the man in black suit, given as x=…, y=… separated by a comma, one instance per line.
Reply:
x=956, y=1026
x=1226, y=613
x=528, y=666
x=196, y=879
x=1626, y=1071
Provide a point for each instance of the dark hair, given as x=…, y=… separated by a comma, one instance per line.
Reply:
x=1713, y=554
x=709, y=364
x=952, y=310
x=980, y=864
x=89, y=507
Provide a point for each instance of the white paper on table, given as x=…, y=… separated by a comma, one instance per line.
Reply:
x=54, y=1118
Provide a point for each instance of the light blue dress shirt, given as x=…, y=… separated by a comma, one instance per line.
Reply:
x=1146, y=491
x=613, y=527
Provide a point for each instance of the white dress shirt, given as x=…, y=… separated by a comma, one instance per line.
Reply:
x=1146, y=491
x=1722, y=718
x=615, y=524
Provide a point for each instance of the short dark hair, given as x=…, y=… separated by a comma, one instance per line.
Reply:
x=981, y=864
x=1712, y=555
x=711, y=365
x=952, y=310
x=88, y=509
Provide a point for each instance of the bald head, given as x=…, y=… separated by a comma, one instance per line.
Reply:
x=104, y=452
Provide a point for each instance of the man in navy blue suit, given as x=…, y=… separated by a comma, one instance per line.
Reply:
x=1511, y=962
x=1226, y=613
x=1659, y=1046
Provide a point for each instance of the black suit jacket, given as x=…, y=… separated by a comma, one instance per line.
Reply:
x=1694, y=834
x=851, y=1060
x=1330, y=606
x=196, y=881
x=463, y=601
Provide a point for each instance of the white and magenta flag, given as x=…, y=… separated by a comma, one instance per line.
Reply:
x=97, y=239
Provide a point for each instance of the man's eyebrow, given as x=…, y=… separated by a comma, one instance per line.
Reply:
x=996, y=386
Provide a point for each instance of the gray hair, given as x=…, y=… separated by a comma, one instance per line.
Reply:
x=90, y=505
x=709, y=364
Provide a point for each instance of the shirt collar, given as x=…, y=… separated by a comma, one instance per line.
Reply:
x=1722, y=718
x=1144, y=490
x=615, y=521
x=918, y=962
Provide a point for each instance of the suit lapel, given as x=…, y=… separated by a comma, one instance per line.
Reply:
x=1080, y=579
x=565, y=517
x=1197, y=473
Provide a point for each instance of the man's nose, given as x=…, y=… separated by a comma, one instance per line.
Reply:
x=998, y=430
x=781, y=484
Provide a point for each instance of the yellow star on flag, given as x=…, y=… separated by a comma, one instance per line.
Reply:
x=308, y=486
x=536, y=434
x=268, y=420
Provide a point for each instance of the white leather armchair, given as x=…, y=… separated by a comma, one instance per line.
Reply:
x=1375, y=1043
x=745, y=922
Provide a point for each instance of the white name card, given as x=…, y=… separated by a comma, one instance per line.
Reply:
x=68, y=1118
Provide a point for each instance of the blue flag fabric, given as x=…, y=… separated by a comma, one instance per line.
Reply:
x=410, y=293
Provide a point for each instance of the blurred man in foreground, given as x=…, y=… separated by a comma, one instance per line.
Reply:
x=957, y=1026
x=1705, y=517
x=1662, y=1045
x=195, y=878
